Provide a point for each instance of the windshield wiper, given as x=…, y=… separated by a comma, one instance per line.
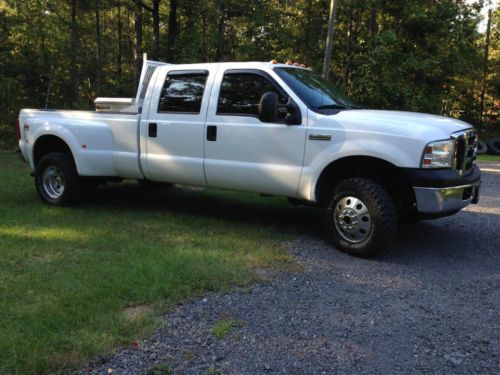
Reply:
x=331, y=106
x=338, y=106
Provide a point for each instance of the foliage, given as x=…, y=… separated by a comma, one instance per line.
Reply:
x=419, y=55
x=78, y=281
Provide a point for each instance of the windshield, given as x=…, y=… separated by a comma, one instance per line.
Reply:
x=317, y=93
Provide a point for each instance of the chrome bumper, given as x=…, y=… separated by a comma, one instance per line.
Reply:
x=444, y=200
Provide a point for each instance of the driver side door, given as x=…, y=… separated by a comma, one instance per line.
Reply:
x=243, y=153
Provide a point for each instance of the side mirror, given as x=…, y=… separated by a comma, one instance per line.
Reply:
x=293, y=117
x=268, y=107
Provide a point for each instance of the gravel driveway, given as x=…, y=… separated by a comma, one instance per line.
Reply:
x=428, y=305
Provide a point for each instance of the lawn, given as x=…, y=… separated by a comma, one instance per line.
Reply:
x=76, y=282
x=485, y=158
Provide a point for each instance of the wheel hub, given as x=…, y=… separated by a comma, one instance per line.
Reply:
x=53, y=182
x=352, y=219
x=348, y=218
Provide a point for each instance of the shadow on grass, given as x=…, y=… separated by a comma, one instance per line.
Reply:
x=453, y=239
x=237, y=208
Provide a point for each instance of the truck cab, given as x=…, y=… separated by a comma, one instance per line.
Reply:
x=266, y=128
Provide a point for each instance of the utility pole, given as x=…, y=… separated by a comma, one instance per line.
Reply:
x=329, y=38
x=485, y=70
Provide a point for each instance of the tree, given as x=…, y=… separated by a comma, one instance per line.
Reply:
x=138, y=41
x=420, y=55
x=74, y=56
x=98, y=47
x=173, y=29
x=329, y=39
x=156, y=29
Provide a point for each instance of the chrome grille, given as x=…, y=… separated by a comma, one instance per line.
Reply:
x=465, y=150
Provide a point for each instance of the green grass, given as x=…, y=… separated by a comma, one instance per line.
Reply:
x=488, y=158
x=70, y=277
x=225, y=326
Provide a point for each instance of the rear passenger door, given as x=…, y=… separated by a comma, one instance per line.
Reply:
x=243, y=153
x=175, y=125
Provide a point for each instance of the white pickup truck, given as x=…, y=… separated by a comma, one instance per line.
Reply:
x=261, y=127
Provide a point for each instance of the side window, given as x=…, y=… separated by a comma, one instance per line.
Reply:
x=182, y=92
x=240, y=94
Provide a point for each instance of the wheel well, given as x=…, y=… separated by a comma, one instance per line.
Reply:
x=393, y=179
x=47, y=144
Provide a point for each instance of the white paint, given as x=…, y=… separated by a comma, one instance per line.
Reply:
x=248, y=154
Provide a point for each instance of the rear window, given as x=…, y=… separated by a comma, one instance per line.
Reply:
x=183, y=92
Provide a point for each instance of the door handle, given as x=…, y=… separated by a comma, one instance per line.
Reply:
x=211, y=133
x=153, y=130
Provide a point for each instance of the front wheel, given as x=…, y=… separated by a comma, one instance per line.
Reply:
x=360, y=217
x=57, y=181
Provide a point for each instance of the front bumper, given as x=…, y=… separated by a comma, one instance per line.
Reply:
x=444, y=192
x=445, y=200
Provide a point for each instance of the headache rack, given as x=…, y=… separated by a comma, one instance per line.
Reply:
x=465, y=150
x=131, y=105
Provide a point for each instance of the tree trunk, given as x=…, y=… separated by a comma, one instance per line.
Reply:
x=138, y=42
x=204, y=44
x=349, y=47
x=329, y=38
x=172, y=31
x=119, y=57
x=307, y=31
x=74, y=56
x=485, y=70
x=373, y=21
x=156, y=29
x=99, y=50
x=221, y=28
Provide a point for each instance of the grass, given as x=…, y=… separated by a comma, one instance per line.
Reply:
x=225, y=326
x=488, y=158
x=76, y=282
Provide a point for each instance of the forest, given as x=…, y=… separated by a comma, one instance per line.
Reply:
x=417, y=55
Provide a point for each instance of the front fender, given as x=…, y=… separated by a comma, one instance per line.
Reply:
x=401, y=153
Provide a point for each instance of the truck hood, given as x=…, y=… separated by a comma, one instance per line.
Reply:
x=406, y=124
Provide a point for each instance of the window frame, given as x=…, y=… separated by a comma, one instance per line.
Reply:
x=184, y=72
x=256, y=72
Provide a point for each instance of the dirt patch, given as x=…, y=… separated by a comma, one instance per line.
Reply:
x=136, y=312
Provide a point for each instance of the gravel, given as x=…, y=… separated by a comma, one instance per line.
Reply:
x=427, y=305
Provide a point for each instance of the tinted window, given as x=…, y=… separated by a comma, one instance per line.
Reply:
x=182, y=93
x=241, y=92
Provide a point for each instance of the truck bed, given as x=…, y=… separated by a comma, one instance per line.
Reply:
x=103, y=143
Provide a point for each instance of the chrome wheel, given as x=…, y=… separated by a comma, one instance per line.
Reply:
x=53, y=182
x=352, y=219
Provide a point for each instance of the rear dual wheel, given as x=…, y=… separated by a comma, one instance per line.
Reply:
x=57, y=181
x=360, y=217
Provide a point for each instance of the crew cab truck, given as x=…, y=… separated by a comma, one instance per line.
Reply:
x=261, y=127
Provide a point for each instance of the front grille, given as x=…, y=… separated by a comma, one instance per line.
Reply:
x=465, y=150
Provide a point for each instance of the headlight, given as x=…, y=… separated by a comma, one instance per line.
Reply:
x=438, y=154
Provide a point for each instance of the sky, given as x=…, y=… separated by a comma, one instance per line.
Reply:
x=492, y=4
